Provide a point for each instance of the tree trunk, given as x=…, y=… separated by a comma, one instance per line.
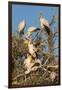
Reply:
x=20, y=43
x=51, y=46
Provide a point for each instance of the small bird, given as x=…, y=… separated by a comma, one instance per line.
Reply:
x=45, y=24
x=21, y=27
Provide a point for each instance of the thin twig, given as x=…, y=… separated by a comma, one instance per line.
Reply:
x=55, y=34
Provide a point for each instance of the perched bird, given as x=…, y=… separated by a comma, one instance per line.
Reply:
x=31, y=30
x=21, y=27
x=45, y=24
x=30, y=64
x=32, y=49
x=28, y=60
x=31, y=56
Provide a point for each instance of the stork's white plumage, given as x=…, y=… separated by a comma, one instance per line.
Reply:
x=45, y=24
x=32, y=49
x=31, y=30
x=30, y=64
x=21, y=26
x=28, y=61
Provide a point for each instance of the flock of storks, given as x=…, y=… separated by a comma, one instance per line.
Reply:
x=32, y=50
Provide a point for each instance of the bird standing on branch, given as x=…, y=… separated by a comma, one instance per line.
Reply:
x=30, y=64
x=32, y=49
x=21, y=27
x=28, y=41
x=31, y=30
x=45, y=24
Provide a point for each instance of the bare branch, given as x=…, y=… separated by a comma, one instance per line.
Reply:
x=54, y=40
x=45, y=40
x=52, y=21
x=55, y=34
x=56, y=55
x=46, y=61
x=19, y=75
x=35, y=36
x=56, y=66
x=55, y=48
x=42, y=66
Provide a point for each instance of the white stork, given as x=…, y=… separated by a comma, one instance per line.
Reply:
x=31, y=30
x=32, y=49
x=21, y=27
x=45, y=24
x=30, y=64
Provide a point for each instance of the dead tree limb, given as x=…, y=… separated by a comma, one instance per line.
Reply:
x=42, y=66
x=53, y=20
x=55, y=48
x=56, y=66
x=55, y=34
x=51, y=46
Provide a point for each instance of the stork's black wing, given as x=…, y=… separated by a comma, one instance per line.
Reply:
x=47, y=29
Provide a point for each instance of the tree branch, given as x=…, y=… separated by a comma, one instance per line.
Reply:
x=35, y=36
x=42, y=66
x=55, y=48
x=55, y=34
